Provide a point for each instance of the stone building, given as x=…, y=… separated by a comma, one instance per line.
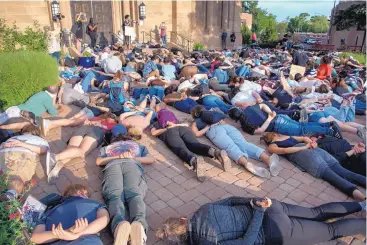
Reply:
x=352, y=37
x=191, y=20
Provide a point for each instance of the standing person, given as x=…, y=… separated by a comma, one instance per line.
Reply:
x=233, y=39
x=92, y=32
x=253, y=39
x=126, y=24
x=163, y=29
x=54, y=47
x=224, y=39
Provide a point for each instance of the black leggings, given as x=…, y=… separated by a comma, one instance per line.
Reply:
x=286, y=224
x=183, y=142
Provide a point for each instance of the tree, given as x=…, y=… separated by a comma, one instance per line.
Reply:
x=246, y=34
x=354, y=16
x=282, y=28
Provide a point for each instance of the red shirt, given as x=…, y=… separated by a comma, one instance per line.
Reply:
x=324, y=71
x=109, y=123
x=254, y=36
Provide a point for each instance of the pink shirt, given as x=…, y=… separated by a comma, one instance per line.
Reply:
x=163, y=31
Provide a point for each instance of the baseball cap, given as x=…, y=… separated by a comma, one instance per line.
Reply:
x=118, y=129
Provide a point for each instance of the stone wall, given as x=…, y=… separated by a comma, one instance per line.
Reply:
x=352, y=35
x=25, y=12
x=201, y=21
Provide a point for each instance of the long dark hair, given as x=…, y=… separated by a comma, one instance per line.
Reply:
x=91, y=21
x=238, y=115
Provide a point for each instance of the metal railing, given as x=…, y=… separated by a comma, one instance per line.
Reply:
x=182, y=41
x=148, y=36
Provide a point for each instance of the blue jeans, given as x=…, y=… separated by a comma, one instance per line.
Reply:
x=187, y=105
x=139, y=93
x=164, y=41
x=360, y=106
x=213, y=101
x=89, y=76
x=228, y=138
x=243, y=71
x=157, y=91
x=285, y=125
x=202, y=69
x=85, y=240
x=343, y=179
x=56, y=55
x=124, y=184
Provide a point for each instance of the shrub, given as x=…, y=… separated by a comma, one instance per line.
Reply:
x=358, y=56
x=32, y=38
x=23, y=74
x=199, y=46
x=246, y=35
x=12, y=228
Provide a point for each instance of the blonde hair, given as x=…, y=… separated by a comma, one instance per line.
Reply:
x=76, y=189
x=173, y=230
x=135, y=133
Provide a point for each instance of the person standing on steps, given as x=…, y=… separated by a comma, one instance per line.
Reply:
x=233, y=39
x=92, y=32
x=163, y=29
x=224, y=39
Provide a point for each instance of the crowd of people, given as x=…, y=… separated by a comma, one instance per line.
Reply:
x=131, y=92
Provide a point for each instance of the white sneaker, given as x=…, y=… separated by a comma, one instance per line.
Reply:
x=274, y=165
x=258, y=171
x=137, y=235
x=122, y=233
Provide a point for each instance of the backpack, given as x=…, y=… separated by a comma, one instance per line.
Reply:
x=164, y=116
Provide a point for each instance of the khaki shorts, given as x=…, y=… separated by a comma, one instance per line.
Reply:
x=19, y=163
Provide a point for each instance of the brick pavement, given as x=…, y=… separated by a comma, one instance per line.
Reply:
x=174, y=190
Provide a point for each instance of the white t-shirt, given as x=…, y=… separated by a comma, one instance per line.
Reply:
x=112, y=64
x=54, y=41
x=26, y=138
x=185, y=84
x=245, y=94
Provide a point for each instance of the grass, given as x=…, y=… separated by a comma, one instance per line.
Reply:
x=361, y=57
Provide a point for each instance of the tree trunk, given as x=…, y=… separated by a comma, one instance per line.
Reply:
x=364, y=39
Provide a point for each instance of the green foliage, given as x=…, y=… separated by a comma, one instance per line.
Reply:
x=355, y=15
x=302, y=23
x=199, y=46
x=11, y=228
x=358, y=56
x=282, y=29
x=23, y=74
x=12, y=39
x=246, y=35
x=263, y=23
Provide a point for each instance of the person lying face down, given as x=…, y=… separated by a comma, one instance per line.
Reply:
x=71, y=219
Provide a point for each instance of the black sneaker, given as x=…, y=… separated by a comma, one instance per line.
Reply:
x=336, y=131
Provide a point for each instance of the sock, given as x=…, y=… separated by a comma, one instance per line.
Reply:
x=192, y=161
x=212, y=152
x=363, y=205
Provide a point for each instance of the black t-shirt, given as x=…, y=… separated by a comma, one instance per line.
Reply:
x=336, y=147
x=233, y=38
x=300, y=58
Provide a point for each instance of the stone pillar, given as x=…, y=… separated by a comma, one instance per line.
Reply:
x=65, y=9
x=116, y=16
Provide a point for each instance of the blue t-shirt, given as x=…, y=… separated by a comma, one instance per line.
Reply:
x=222, y=76
x=149, y=67
x=169, y=71
x=71, y=209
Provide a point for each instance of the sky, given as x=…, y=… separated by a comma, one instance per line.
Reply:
x=284, y=8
